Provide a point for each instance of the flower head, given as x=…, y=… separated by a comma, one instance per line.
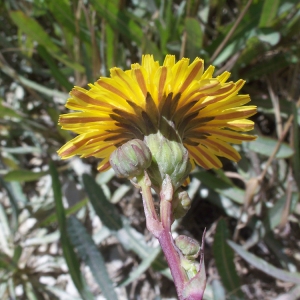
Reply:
x=179, y=100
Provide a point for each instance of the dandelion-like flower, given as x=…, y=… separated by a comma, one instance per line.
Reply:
x=180, y=100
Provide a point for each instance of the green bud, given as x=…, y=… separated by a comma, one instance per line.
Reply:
x=191, y=267
x=131, y=159
x=181, y=204
x=189, y=247
x=168, y=157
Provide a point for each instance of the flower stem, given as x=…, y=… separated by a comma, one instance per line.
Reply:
x=162, y=230
x=170, y=250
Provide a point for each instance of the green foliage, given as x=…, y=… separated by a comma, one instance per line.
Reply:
x=224, y=261
x=57, y=225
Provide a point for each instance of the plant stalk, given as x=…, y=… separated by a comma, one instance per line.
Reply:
x=161, y=229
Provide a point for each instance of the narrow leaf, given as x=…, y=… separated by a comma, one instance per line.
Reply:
x=55, y=71
x=264, y=266
x=90, y=255
x=296, y=143
x=266, y=145
x=268, y=13
x=68, y=251
x=194, y=37
x=224, y=262
x=105, y=210
x=23, y=175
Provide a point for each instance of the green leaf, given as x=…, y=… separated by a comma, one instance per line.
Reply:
x=194, y=37
x=15, y=195
x=71, y=210
x=277, y=62
x=6, y=263
x=8, y=112
x=264, y=266
x=105, y=210
x=265, y=146
x=30, y=291
x=90, y=255
x=119, y=20
x=68, y=251
x=23, y=175
x=274, y=214
x=144, y=265
x=110, y=54
x=296, y=142
x=269, y=13
x=62, y=12
x=55, y=71
x=31, y=84
x=224, y=262
x=34, y=30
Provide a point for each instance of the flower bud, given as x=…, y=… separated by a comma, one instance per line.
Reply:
x=168, y=157
x=189, y=247
x=181, y=204
x=130, y=159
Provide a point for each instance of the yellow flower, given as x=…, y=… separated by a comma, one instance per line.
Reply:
x=206, y=112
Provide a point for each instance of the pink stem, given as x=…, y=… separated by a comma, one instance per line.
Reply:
x=170, y=250
x=162, y=231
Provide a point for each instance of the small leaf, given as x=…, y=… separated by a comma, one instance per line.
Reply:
x=90, y=255
x=23, y=175
x=105, y=210
x=264, y=266
x=224, y=262
x=266, y=146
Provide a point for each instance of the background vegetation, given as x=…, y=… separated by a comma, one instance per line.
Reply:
x=68, y=232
